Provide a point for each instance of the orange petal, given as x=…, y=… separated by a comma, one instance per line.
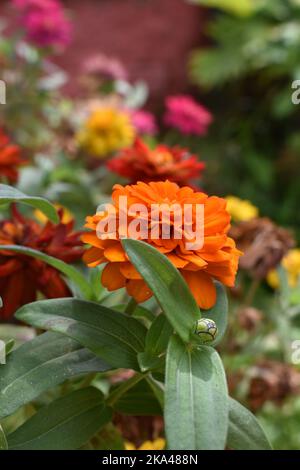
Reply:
x=139, y=290
x=129, y=271
x=93, y=256
x=115, y=252
x=92, y=239
x=112, y=278
x=202, y=287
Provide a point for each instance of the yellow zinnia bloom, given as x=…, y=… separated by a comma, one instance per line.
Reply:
x=241, y=210
x=157, y=444
x=67, y=215
x=291, y=263
x=106, y=131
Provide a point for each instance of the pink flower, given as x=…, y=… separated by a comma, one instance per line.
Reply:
x=186, y=115
x=144, y=122
x=105, y=67
x=45, y=22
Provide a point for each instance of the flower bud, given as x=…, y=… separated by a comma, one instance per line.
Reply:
x=207, y=330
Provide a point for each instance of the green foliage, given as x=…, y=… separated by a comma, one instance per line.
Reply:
x=8, y=194
x=67, y=423
x=246, y=75
x=59, y=373
x=196, y=397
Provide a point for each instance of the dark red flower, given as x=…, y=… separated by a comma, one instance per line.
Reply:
x=140, y=163
x=10, y=159
x=21, y=276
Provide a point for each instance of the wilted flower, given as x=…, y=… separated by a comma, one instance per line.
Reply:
x=186, y=115
x=216, y=259
x=144, y=122
x=264, y=245
x=10, y=159
x=291, y=263
x=249, y=318
x=140, y=163
x=21, y=276
x=272, y=381
x=241, y=210
x=106, y=131
x=45, y=22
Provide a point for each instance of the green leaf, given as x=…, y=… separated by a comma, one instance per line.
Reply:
x=158, y=336
x=196, y=399
x=66, y=424
x=9, y=194
x=167, y=284
x=3, y=441
x=219, y=313
x=114, y=336
x=41, y=364
x=108, y=438
x=139, y=401
x=69, y=271
x=245, y=432
x=9, y=346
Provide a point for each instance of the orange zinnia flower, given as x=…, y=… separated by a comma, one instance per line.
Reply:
x=140, y=163
x=217, y=259
x=10, y=159
x=21, y=276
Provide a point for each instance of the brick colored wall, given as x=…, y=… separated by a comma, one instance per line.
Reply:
x=151, y=37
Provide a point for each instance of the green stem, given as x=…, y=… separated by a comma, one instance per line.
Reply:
x=131, y=307
x=124, y=387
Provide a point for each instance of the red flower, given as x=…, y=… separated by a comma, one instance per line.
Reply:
x=21, y=276
x=140, y=163
x=10, y=158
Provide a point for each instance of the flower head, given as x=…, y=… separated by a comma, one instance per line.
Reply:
x=241, y=210
x=157, y=444
x=216, y=259
x=104, y=67
x=10, y=159
x=186, y=115
x=291, y=263
x=106, y=131
x=45, y=22
x=264, y=245
x=144, y=122
x=140, y=163
x=21, y=276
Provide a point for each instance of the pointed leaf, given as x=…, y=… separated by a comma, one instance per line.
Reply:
x=196, y=399
x=158, y=336
x=219, y=313
x=245, y=432
x=114, y=336
x=9, y=194
x=66, y=424
x=167, y=284
x=41, y=364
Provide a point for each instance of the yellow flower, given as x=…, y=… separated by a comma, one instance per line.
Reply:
x=291, y=263
x=66, y=217
x=106, y=131
x=157, y=444
x=241, y=210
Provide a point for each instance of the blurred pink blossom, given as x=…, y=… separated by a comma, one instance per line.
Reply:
x=186, y=115
x=105, y=67
x=144, y=122
x=45, y=22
